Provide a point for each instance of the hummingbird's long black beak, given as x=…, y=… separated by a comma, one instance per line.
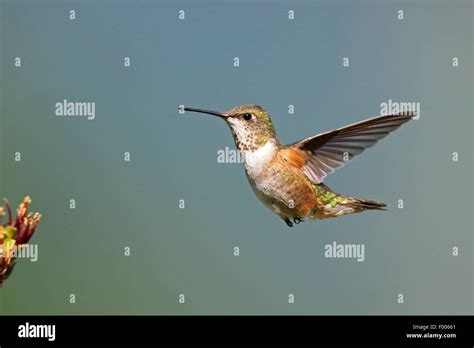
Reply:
x=209, y=112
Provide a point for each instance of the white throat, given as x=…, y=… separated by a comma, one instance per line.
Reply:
x=255, y=161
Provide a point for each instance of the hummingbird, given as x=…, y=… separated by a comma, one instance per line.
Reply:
x=288, y=179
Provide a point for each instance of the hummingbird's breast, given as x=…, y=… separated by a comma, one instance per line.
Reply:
x=278, y=181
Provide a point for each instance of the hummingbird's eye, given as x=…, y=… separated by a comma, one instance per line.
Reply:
x=247, y=117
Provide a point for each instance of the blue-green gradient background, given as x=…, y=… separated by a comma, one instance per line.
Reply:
x=173, y=156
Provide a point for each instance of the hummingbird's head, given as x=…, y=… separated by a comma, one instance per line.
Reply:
x=251, y=126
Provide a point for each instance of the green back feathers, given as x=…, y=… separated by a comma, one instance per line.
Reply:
x=328, y=197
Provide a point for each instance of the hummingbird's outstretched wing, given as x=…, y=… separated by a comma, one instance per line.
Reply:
x=330, y=150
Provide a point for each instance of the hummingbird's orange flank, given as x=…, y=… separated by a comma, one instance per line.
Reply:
x=289, y=179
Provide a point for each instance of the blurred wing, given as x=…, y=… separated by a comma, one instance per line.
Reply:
x=331, y=150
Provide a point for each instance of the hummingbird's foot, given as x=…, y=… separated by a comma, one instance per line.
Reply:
x=297, y=220
x=288, y=222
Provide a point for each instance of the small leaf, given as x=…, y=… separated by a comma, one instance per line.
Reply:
x=9, y=232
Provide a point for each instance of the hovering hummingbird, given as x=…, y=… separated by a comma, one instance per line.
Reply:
x=289, y=179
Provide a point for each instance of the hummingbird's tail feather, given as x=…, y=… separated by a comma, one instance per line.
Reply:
x=365, y=204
